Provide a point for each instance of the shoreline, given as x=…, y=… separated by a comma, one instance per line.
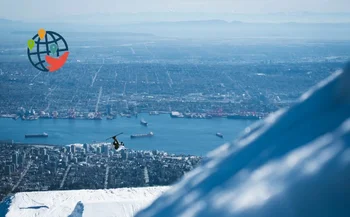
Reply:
x=231, y=116
x=80, y=145
x=30, y=144
x=4, y=142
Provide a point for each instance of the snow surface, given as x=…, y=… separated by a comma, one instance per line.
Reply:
x=295, y=163
x=122, y=202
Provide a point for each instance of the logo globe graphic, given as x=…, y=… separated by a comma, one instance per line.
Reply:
x=41, y=49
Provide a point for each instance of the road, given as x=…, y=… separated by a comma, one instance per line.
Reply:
x=146, y=175
x=22, y=175
x=106, y=177
x=65, y=176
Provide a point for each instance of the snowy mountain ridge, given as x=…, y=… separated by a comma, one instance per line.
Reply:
x=295, y=163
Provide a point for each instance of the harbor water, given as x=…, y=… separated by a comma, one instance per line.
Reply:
x=173, y=135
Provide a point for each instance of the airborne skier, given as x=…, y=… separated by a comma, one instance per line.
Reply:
x=116, y=143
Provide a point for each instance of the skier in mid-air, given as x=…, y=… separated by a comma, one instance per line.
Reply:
x=116, y=143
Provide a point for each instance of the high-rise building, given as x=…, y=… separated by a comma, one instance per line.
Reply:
x=53, y=167
x=68, y=149
x=13, y=167
x=41, y=169
x=98, y=150
x=124, y=154
x=86, y=147
x=21, y=158
x=105, y=149
x=44, y=151
x=72, y=148
x=46, y=157
x=15, y=158
x=8, y=170
x=70, y=156
x=65, y=161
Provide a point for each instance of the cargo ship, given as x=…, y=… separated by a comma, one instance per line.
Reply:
x=176, y=115
x=134, y=136
x=36, y=135
x=153, y=113
x=219, y=135
x=144, y=123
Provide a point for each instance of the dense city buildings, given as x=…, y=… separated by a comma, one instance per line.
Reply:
x=40, y=168
x=204, y=79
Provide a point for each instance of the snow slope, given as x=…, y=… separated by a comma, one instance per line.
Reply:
x=122, y=202
x=295, y=163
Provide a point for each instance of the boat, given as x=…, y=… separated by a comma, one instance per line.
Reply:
x=144, y=123
x=109, y=118
x=150, y=134
x=32, y=118
x=219, y=135
x=36, y=135
x=175, y=114
x=125, y=115
x=153, y=113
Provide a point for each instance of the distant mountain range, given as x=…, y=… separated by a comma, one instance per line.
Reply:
x=171, y=16
x=212, y=28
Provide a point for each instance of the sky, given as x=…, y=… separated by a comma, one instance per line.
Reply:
x=44, y=9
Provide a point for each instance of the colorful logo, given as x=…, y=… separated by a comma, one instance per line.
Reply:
x=47, y=51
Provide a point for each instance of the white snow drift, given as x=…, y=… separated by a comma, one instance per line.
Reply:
x=123, y=202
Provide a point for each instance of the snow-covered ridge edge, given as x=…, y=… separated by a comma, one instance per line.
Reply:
x=275, y=158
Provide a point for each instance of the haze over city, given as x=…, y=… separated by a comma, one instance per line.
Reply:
x=160, y=10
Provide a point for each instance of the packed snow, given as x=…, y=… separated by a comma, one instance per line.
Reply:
x=122, y=202
x=295, y=163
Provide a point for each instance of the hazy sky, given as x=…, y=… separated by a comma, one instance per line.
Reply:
x=36, y=9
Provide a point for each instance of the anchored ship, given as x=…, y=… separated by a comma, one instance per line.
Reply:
x=134, y=136
x=36, y=135
x=219, y=135
x=153, y=113
x=176, y=115
x=144, y=123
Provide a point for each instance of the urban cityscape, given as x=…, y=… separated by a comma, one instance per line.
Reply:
x=142, y=78
x=125, y=75
x=97, y=166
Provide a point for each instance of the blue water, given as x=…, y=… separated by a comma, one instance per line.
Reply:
x=178, y=136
